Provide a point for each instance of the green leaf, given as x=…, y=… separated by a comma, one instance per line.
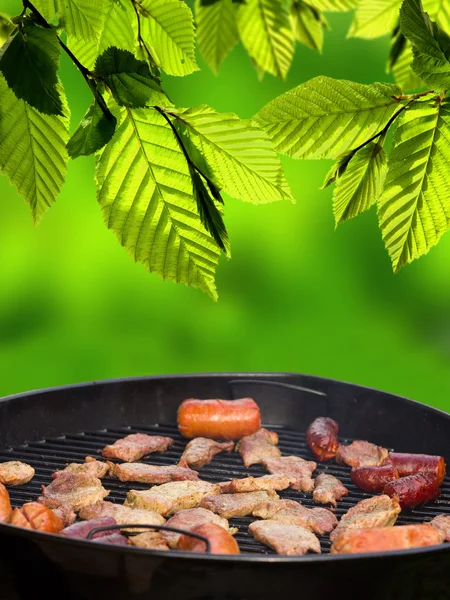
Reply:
x=168, y=30
x=333, y=5
x=266, y=32
x=374, y=18
x=308, y=25
x=94, y=132
x=29, y=61
x=6, y=26
x=84, y=19
x=414, y=210
x=145, y=190
x=129, y=79
x=217, y=32
x=238, y=155
x=325, y=117
x=32, y=150
x=400, y=64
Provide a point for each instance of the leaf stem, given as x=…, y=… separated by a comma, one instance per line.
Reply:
x=141, y=40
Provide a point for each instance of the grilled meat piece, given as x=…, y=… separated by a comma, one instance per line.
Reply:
x=114, y=539
x=328, y=489
x=258, y=446
x=189, y=518
x=220, y=541
x=200, y=451
x=5, y=504
x=15, y=472
x=91, y=466
x=133, y=447
x=379, y=511
x=66, y=514
x=151, y=474
x=413, y=490
x=168, y=498
x=218, y=419
x=322, y=438
x=36, y=516
x=149, y=539
x=373, y=479
x=383, y=539
x=82, y=530
x=293, y=466
x=257, y=484
x=361, y=454
x=124, y=515
x=74, y=490
x=284, y=539
x=291, y=512
x=442, y=524
x=236, y=505
x=410, y=464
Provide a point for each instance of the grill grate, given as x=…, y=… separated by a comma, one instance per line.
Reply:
x=49, y=455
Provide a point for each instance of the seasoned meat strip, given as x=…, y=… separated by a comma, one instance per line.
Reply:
x=361, y=454
x=124, y=515
x=135, y=446
x=236, y=505
x=257, y=484
x=328, y=489
x=166, y=499
x=74, y=490
x=258, y=446
x=442, y=524
x=151, y=474
x=189, y=518
x=293, y=466
x=91, y=466
x=284, y=539
x=150, y=539
x=379, y=511
x=15, y=472
x=291, y=512
x=200, y=451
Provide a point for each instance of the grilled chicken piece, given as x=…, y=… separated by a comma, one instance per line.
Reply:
x=220, y=541
x=361, y=454
x=258, y=446
x=200, y=451
x=328, y=489
x=135, y=446
x=379, y=511
x=189, y=518
x=74, y=490
x=257, y=484
x=291, y=512
x=91, y=466
x=384, y=539
x=150, y=539
x=168, y=498
x=442, y=524
x=284, y=539
x=236, y=505
x=124, y=515
x=295, y=467
x=36, y=516
x=15, y=472
x=66, y=514
x=151, y=474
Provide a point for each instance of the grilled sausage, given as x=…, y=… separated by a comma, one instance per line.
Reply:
x=220, y=540
x=373, y=479
x=218, y=419
x=5, y=504
x=413, y=490
x=36, y=516
x=322, y=438
x=410, y=464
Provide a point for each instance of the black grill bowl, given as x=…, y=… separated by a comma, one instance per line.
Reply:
x=50, y=428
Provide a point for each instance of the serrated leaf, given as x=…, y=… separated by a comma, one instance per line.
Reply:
x=308, y=25
x=401, y=69
x=325, y=117
x=145, y=191
x=83, y=19
x=374, y=18
x=29, y=61
x=210, y=215
x=266, y=32
x=217, y=32
x=168, y=30
x=333, y=5
x=414, y=211
x=238, y=155
x=32, y=150
x=6, y=26
x=94, y=132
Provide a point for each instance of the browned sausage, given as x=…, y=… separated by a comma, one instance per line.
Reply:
x=36, y=516
x=373, y=479
x=220, y=540
x=322, y=438
x=218, y=419
x=5, y=504
x=413, y=490
x=410, y=464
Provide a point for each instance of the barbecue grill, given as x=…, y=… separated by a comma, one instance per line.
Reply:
x=51, y=428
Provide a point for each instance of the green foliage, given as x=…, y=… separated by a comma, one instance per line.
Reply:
x=95, y=131
x=6, y=26
x=374, y=18
x=333, y=5
x=82, y=19
x=308, y=25
x=217, y=32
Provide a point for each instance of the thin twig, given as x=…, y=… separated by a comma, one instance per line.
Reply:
x=141, y=40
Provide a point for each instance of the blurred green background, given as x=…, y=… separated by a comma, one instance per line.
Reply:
x=296, y=296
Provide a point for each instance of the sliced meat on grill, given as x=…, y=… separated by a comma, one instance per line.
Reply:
x=284, y=539
x=83, y=528
x=379, y=511
x=74, y=490
x=200, y=451
x=442, y=524
x=168, y=498
x=257, y=484
x=322, y=438
x=15, y=472
x=189, y=518
x=236, y=505
x=328, y=489
x=220, y=541
x=135, y=446
x=258, y=446
x=149, y=539
x=66, y=514
x=295, y=467
x=361, y=454
x=383, y=539
x=151, y=474
x=91, y=466
x=291, y=512
x=124, y=515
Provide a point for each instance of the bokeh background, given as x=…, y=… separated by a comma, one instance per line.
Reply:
x=296, y=296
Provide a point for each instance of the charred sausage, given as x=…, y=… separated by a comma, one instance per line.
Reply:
x=373, y=479
x=410, y=464
x=36, y=516
x=322, y=438
x=220, y=540
x=413, y=490
x=5, y=504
